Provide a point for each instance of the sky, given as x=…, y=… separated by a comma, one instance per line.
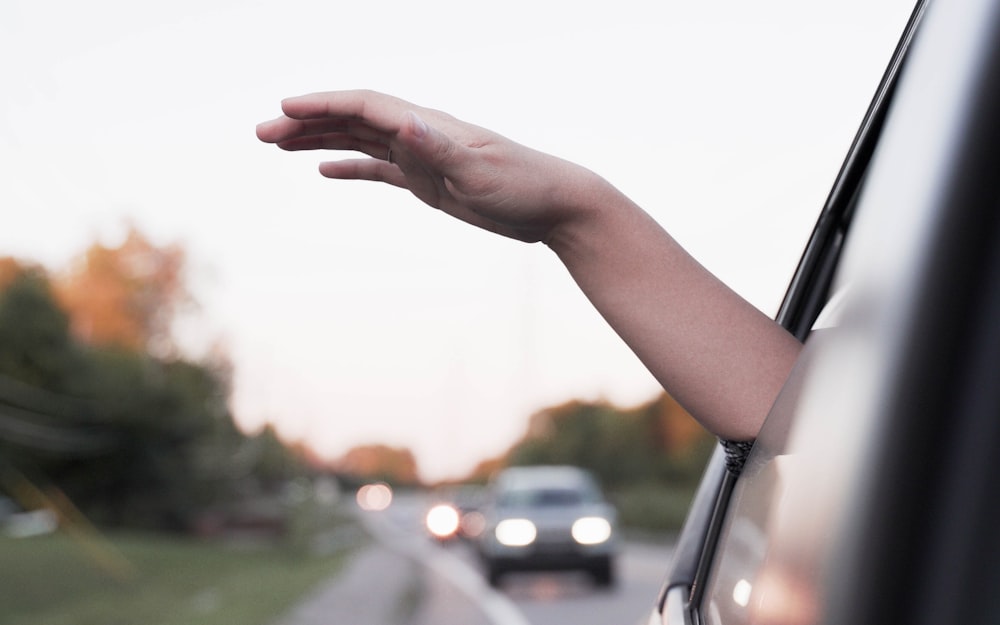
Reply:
x=353, y=313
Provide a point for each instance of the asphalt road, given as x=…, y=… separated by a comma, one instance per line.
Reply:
x=401, y=577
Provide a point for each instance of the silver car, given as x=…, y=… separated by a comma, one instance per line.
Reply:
x=548, y=518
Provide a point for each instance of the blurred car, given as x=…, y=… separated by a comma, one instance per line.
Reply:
x=870, y=495
x=456, y=513
x=548, y=518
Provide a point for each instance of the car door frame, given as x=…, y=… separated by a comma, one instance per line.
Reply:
x=807, y=294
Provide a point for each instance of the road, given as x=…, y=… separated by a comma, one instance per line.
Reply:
x=432, y=584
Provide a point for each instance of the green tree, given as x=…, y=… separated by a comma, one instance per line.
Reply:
x=42, y=420
x=653, y=442
x=98, y=405
x=34, y=333
x=131, y=438
x=270, y=460
x=172, y=427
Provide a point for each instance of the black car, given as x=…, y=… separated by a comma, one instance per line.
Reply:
x=870, y=495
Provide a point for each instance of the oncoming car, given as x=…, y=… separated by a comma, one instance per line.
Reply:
x=870, y=496
x=548, y=518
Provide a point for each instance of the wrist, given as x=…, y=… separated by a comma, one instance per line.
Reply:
x=588, y=207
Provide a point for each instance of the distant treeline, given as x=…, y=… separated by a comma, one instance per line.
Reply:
x=100, y=417
x=103, y=419
x=655, y=442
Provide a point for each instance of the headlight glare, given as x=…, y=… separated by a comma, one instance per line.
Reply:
x=442, y=520
x=515, y=532
x=591, y=530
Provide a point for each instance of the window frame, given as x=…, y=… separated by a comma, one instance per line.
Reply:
x=682, y=592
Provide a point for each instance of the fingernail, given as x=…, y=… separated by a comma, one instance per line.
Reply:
x=419, y=126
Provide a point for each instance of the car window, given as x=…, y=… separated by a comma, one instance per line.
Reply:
x=767, y=567
x=762, y=568
x=545, y=497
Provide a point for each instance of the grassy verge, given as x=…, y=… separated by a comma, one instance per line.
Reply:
x=155, y=580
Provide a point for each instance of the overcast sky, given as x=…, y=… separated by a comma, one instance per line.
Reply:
x=353, y=313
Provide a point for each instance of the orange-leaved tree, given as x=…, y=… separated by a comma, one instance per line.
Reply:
x=126, y=296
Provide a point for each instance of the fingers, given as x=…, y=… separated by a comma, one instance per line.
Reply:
x=364, y=169
x=377, y=110
x=355, y=120
x=375, y=149
x=286, y=127
x=446, y=163
x=361, y=121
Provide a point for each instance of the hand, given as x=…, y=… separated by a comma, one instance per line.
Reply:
x=466, y=171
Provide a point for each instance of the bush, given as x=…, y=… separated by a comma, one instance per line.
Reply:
x=655, y=507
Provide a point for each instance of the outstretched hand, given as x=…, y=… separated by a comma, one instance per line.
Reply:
x=466, y=171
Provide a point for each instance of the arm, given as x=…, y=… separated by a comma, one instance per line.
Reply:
x=715, y=353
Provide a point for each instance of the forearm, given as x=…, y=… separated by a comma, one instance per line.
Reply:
x=715, y=353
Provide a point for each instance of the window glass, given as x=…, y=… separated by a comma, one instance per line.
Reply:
x=787, y=508
x=744, y=568
x=547, y=497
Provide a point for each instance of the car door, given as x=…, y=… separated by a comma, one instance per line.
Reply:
x=867, y=496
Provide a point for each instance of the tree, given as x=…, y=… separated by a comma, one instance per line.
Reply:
x=595, y=436
x=10, y=270
x=134, y=435
x=126, y=296
x=270, y=460
x=655, y=441
x=98, y=404
x=35, y=344
x=395, y=465
x=175, y=439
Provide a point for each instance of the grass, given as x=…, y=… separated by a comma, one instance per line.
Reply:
x=126, y=579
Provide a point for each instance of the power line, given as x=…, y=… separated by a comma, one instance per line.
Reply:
x=23, y=427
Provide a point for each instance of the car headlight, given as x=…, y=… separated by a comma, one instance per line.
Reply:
x=591, y=530
x=374, y=497
x=515, y=532
x=473, y=523
x=442, y=520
